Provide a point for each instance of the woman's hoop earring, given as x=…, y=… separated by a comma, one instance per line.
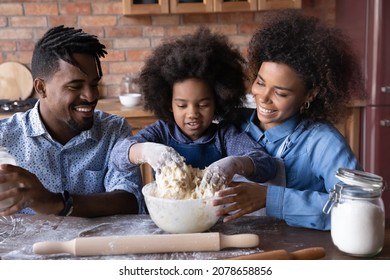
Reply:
x=307, y=105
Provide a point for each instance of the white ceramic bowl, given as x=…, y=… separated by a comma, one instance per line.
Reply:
x=180, y=216
x=130, y=99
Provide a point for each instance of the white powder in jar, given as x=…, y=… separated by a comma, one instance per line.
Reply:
x=357, y=227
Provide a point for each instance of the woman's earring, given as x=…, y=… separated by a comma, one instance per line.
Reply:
x=307, y=105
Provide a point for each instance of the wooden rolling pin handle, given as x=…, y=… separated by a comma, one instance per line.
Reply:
x=53, y=247
x=159, y=243
x=270, y=255
x=313, y=253
x=239, y=241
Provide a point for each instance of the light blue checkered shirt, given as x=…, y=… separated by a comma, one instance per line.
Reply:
x=81, y=166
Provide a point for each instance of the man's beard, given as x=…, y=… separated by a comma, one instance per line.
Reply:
x=79, y=127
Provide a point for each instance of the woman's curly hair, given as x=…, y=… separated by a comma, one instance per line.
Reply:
x=321, y=55
x=204, y=55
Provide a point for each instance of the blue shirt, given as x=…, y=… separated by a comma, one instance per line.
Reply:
x=81, y=166
x=226, y=139
x=314, y=153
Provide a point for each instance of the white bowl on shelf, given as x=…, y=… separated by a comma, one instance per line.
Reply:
x=130, y=99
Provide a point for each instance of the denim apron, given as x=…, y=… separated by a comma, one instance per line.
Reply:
x=197, y=155
x=280, y=177
x=278, y=180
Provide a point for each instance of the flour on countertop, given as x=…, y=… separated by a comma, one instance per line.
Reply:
x=18, y=246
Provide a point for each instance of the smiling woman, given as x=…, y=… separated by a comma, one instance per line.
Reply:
x=279, y=94
x=303, y=75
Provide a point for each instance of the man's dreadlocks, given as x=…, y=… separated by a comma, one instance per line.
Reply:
x=61, y=43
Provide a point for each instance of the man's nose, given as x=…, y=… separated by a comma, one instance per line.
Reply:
x=90, y=93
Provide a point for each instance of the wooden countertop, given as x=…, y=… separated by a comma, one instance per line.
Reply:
x=113, y=106
x=20, y=233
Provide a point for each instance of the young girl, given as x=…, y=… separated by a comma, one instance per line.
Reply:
x=304, y=74
x=193, y=84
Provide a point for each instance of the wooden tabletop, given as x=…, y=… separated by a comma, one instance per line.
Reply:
x=112, y=106
x=18, y=234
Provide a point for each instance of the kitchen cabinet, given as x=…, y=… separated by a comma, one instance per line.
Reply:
x=367, y=23
x=278, y=4
x=235, y=6
x=190, y=6
x=144, y=7
x=351, y=127
x=133, y=7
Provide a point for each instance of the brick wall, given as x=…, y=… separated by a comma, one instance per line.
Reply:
x=129, y=39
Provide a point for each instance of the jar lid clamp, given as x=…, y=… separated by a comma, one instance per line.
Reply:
x=333, y=198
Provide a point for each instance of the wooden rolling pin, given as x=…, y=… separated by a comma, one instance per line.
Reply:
x=135, y=244
x=313, y=253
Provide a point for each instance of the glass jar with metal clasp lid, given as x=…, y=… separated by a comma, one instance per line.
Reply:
x=128, y=85
x=357, y=213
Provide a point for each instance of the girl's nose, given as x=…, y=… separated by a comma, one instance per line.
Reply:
x=193, y=111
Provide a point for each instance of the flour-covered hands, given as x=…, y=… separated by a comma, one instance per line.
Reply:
x=155, y=154
x=239, y=199
x=221, y=172
x=28, y=191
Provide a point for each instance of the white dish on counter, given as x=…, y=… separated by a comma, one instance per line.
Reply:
x=130, y=99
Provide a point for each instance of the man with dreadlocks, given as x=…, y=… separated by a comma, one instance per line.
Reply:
x=62, y=145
